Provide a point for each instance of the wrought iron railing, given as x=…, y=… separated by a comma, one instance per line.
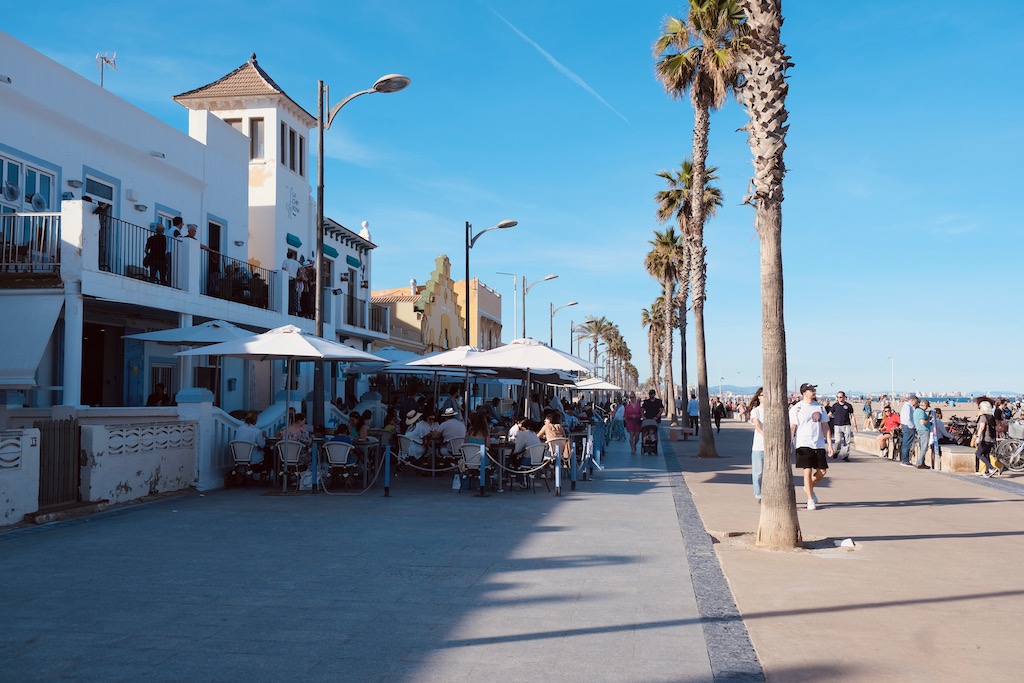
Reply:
x=378, y=318
x=122, y=251
x=30, y=242
x=236, y=280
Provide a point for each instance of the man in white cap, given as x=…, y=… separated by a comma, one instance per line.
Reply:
x=810, y=433
x=451, y=427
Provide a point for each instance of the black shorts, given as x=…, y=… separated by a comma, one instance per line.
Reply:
x=813, y=458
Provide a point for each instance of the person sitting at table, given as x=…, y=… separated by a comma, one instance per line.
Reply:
x=451, y=427
x=526, y=436
x=418, y=432
x=553, y=429
x=250, y=433
x=479, y=431
x=358, y=429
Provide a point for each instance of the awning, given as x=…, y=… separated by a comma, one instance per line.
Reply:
x=24, y=343
x=353, y=261
x=330, y=251
x=293, y=241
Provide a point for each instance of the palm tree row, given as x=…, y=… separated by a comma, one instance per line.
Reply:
x=617, y=353
x=723, y=47
x=699, y=56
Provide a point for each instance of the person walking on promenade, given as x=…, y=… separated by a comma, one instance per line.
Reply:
x=985, y=438
x=866, y=409
x=756, y=413
x=809, y=431
x=693, y=412
x=907, y=430
x=718, y=412
x=653, y=408
x=844, y=426
x=633, y=415
x=923, y=425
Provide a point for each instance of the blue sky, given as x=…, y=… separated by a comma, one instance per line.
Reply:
x=901, y=236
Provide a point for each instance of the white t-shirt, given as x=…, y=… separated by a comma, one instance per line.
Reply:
x=758, y=414
x=809, y=434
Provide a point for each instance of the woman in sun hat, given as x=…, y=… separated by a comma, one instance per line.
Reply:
x=417, y=430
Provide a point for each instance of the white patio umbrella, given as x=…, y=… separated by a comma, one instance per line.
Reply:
x=288, y=343
x=596, y=384
x=210, y=332
x=529, y=355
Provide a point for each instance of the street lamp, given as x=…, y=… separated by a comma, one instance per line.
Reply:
x=892, y=378
x=551, y=322
x=526, y=290
x=470, y=241
x=515, y=302
x=384, y=84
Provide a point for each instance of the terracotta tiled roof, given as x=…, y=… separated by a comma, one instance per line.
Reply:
x=248, y=80
x=390, y=296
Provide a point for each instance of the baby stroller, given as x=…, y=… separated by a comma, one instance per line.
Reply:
x=649, y=437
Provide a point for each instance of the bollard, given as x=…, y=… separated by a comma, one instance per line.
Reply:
x=572, y=468
x=483, y=470
x=387, y=470
x=558, y=471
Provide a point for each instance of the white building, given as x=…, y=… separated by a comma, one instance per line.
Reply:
x=86, y=180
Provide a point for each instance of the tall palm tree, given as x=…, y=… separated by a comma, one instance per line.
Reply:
x=699, y=56
x=763, y=94
x=653, y=319
x=663, y=263
x=674, y=202
x=596, y=329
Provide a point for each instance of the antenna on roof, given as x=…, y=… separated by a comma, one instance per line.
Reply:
x=102, y=61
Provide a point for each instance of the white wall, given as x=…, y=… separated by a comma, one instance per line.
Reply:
x=19, y=474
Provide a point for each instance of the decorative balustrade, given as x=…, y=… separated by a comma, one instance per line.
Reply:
x=30, y=242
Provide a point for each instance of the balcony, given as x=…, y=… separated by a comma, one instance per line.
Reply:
x=232, y=279
x=29, y=250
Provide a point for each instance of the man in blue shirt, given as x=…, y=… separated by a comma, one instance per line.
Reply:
x=844, y=426
x=907, y=430
x=923, y=426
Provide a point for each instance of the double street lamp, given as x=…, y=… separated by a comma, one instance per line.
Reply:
x=526, y=290
x=384, y=84
x=470, y=241
x=551, y=322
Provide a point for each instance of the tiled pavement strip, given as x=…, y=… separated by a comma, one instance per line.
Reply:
x=427, y=585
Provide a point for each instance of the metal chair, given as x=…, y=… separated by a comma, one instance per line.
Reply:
x=291, y=459
x=454, y=448
x=532, y=457
x=341, y=460
x=241, y=454
x=469, y=465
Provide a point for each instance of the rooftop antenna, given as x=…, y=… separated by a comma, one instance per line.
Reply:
x=102, y=61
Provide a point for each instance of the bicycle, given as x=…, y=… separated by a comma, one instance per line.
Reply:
x=1011, y=453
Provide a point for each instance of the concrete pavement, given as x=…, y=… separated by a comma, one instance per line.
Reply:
x=427, y=585
x=932, y=592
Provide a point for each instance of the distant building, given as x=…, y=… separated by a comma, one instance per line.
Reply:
x=425, y=318
x=484, y=314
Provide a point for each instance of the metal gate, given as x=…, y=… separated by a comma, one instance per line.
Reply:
x=59, y=471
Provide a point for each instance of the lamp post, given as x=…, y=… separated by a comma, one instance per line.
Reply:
x=470, y=241
x=384, y=84
x=515, y=303
x=551, y=322
x=892, y=378
x=526, y=290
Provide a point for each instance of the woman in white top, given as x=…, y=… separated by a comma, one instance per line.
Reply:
x=756, y=413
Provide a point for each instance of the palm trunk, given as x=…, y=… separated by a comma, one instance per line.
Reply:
x=670, y=392
x=684, y=294
x=764, y=96
x=698, y=269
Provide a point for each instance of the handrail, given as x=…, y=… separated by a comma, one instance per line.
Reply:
x=30, y=242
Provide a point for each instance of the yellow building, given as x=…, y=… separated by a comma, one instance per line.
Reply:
x=484, y=314
x=425, y=318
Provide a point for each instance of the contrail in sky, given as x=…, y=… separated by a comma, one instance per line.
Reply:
x=564, y=70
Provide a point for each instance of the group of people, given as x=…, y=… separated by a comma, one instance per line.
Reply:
x=817, y=433
x=301, y=284
x=157, y=254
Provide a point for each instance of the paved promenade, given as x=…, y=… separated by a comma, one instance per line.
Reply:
x=427, y=585
x=933, y=592
x=616, y=581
